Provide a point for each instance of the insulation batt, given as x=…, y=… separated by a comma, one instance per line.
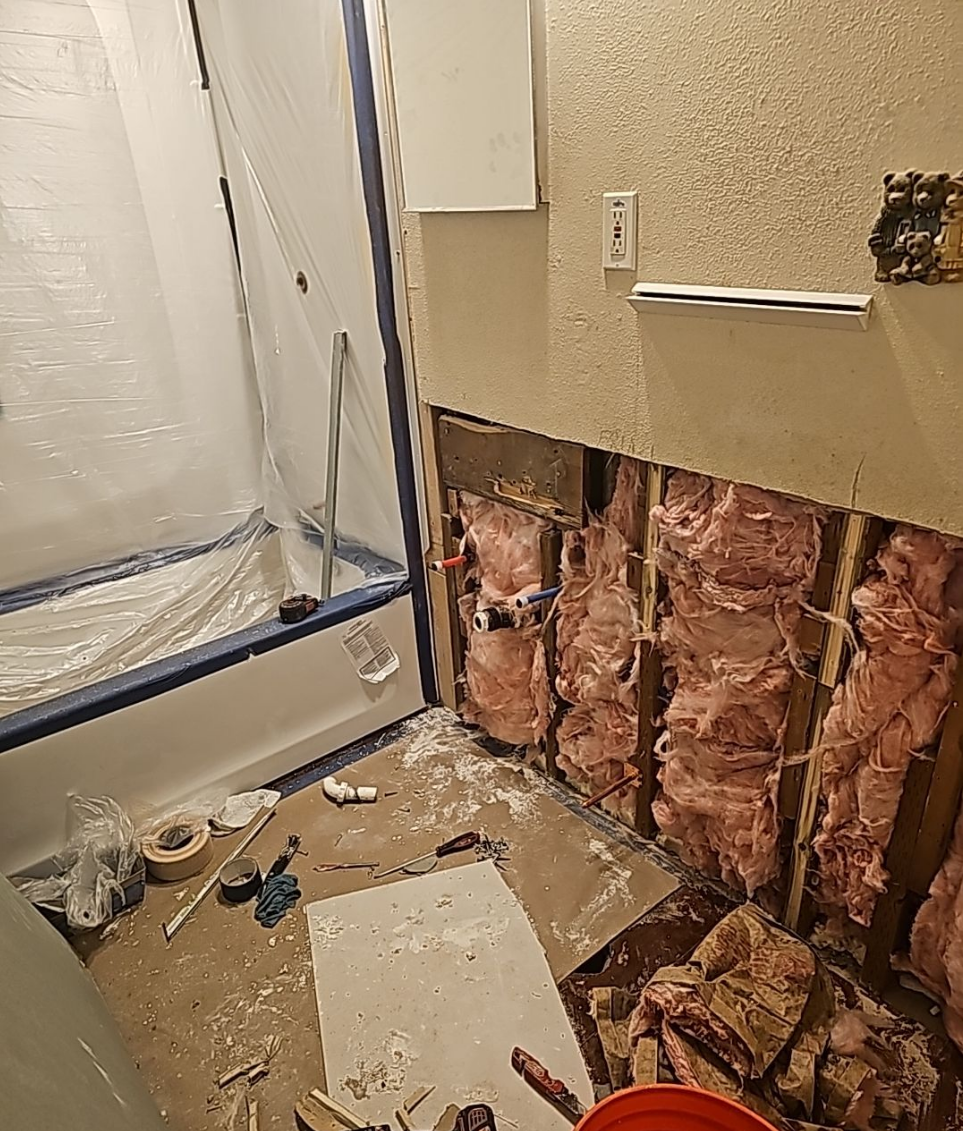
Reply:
x=739, y=562
x=936, y=941
x=887, y=710
x=598, y=645
x=505, y=670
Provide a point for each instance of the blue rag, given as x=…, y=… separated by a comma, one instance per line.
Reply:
x=278, y=895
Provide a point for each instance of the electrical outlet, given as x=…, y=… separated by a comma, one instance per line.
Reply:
x=619, y=213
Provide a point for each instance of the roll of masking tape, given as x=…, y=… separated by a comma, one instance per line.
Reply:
x=240, y=879
x=182, y=861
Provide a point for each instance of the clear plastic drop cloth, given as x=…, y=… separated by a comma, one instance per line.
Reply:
x=281, y=91
x=129, y=417
x=163, y=416
x=53, y=647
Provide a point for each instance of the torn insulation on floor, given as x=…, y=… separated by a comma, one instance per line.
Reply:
x=887, y=711
x=753, y=1015
x=598, y=645
x=505, y=671
x=739, y=563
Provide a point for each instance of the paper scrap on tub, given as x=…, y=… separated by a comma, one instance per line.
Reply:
x=433, y=980
x=373, y=657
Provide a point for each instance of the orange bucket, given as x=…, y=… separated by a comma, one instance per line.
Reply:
x=670, y=1107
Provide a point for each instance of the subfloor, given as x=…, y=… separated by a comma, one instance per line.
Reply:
x=608, y=909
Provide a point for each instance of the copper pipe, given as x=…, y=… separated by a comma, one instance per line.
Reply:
x=631, y=773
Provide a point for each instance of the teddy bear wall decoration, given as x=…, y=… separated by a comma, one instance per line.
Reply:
x=918, y=234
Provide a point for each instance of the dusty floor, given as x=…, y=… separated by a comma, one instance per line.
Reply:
x=192, y=1009
x=209, y=1000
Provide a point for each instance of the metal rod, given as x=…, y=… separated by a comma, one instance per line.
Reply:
x=171, y=928
x=631, y=774
x=339, y=345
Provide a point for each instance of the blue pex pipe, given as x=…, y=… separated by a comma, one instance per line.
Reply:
x=534, y=598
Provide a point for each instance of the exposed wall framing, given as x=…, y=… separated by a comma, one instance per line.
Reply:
x=927, y=812
x=565, y=483
x=551, y=547
x=850, y=541
x=644, y=576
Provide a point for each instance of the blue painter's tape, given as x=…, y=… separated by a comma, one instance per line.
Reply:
x=376, y=208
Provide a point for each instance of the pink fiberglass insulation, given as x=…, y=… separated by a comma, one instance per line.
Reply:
x=738, y=562
x=936, y=941
x=598, y=644
x=505, y=674
x=888, y=709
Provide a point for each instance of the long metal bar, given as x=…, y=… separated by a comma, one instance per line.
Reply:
x=171, y=928
x=339, y=345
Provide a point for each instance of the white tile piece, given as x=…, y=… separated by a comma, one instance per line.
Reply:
x=433, y=980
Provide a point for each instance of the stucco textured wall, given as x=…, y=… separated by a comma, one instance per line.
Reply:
x=756, y=132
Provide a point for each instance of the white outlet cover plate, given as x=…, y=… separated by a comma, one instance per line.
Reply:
x=619, y=228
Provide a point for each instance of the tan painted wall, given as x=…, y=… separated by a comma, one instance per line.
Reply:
x=756, y=132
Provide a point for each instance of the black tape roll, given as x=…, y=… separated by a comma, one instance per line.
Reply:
x=240, y=879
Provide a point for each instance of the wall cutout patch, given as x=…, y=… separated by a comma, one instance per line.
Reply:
x=918, y=234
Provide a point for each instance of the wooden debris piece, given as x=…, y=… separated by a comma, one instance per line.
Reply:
x=252, y=1120
x=417, y=1097
x=403, y=1121
x=258, y=1073
x=314, y=1107
x=446, y=1121
x=645, y=1062
x=239, y=1070
x=611, y=1008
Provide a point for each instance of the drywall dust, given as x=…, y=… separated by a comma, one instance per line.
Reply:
x=485, y=781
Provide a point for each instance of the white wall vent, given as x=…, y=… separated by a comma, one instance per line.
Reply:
x=746, y=304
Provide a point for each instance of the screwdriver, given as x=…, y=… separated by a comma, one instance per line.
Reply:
x=456, y=844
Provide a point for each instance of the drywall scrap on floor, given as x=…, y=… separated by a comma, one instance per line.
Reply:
x=739, y=563
x=887, y=710
x=598, y=645
x=505, y=672
x=432, y=981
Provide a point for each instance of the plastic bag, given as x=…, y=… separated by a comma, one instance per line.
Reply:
x=239, y=810
x=174, y=827
x=99, y=855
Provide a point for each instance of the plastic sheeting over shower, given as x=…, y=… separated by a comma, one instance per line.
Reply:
x=163, y=415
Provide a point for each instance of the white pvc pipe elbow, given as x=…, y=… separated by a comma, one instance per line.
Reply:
x=340, y=791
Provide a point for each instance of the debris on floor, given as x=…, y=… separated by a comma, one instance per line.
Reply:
x=753, y=1015
x=315, y=1109
x=428, y=983
x=253, y=1070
